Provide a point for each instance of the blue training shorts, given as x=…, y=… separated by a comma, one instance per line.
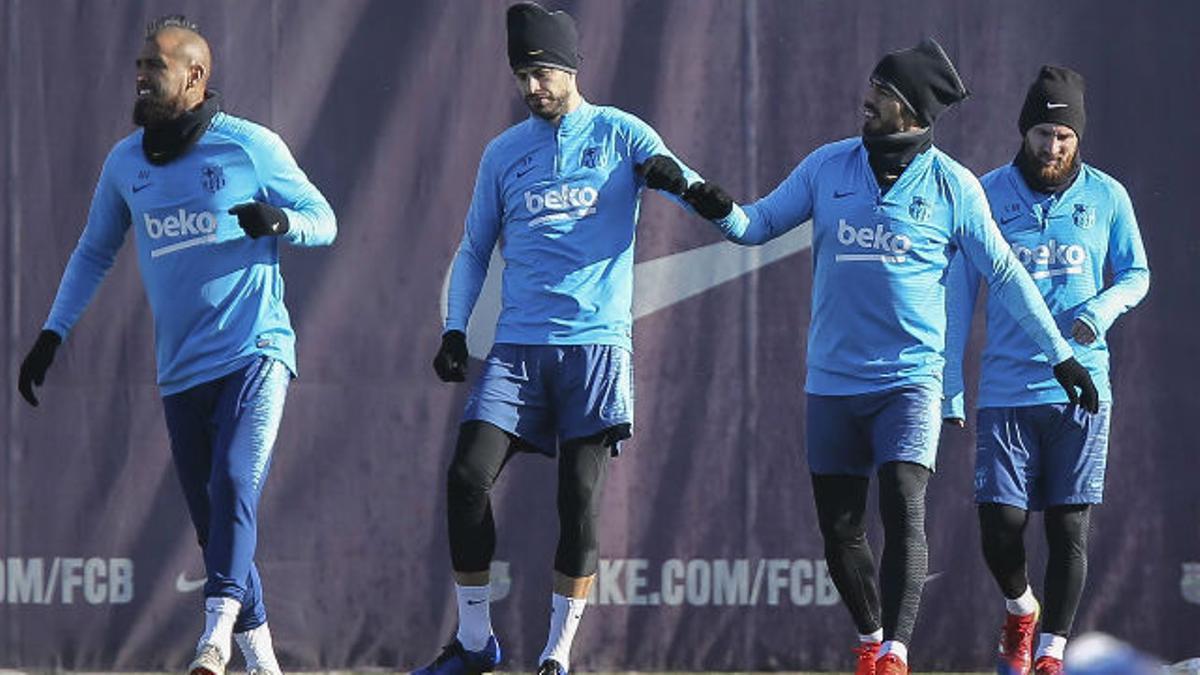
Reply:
x=550, y=394
x=1036, y=456
x=855, y=435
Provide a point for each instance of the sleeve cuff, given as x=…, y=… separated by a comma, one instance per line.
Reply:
x=1092, y=322
x=734, y=224
x=954, y=406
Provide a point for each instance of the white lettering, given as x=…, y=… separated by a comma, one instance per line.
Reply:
x=699, y=582
x=1052, y=254
x=72, y=578
x=120, y=580
x=672, y=582
x=180, y=223
x=635, y=581
x=561, y=198
x=25, y=580
x=95, y=591
x=878, y=238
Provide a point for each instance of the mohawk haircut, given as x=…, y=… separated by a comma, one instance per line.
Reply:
x=170, y=21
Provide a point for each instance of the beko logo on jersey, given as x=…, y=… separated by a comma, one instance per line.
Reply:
x=200, y=228
x=566, y=202
x=1057, y=258
x=894, y=246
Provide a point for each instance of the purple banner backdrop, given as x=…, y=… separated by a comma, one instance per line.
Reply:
x=711, y=554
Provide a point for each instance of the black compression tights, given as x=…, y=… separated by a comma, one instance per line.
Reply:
x=482, y=452
x=1002, y=528
x=841, y=507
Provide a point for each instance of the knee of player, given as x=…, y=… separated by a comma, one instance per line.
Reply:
x=235, y=482
x=843, y=530
x=578, y=499
x=462, y=479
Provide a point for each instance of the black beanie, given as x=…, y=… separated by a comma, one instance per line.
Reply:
x=924, y=79
x=540, y=38
x=1056, y=96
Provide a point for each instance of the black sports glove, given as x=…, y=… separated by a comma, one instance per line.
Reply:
x=450, y=364
x=662, y=173
x=1071, y=374
x=260, y=219
x=709, y=200
x=36, y=363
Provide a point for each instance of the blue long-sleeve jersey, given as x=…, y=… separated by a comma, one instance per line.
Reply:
x=216, y=294
x=1065, y=242
x=880, y=261
x=563, y=203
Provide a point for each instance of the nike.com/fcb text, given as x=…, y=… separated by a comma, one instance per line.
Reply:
x=66, y=581
x=698, y=582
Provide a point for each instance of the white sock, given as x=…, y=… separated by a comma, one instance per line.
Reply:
x=474, y=616
x=219, y=615
x=1050, y=644
x=256, y=647
x=893, y=647
x=565, y=614
x=877, y=636
x=1022, y=605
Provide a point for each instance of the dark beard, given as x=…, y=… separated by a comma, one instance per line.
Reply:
x=1047, y=179
x=153, y=109
x=556, y=109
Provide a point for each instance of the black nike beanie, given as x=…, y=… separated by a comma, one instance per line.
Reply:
x=924, y=79
x=540, y=38
x=1056, y=96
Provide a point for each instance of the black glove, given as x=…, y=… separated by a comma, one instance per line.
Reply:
x=260, y=219
x=709, y=200
x=1071, y=374
x=662, y=173
x=36, y=363
x=450, y=364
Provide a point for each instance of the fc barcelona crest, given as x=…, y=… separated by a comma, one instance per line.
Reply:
x=592, y=158
x=212, y=178
x=919, y=210
x=1189, y=582
x=1084, y=216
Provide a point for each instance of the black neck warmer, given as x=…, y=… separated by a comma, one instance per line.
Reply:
x=1028, y=166
x=889, y=154
x=164, y=142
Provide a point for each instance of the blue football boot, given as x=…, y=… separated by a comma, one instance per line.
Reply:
x=455, y=660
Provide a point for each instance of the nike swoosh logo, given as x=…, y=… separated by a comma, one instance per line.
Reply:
x=658, y=284
x=839, y=195
x=1005, y=221
x=186, y=585
x=1052, y=106
x=476, y=602
x=535, y=52
x=139, y=188
x=933, y=577
x=522, y=173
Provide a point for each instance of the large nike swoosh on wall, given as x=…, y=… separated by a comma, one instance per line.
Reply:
x=186, y=585
x=658, y=284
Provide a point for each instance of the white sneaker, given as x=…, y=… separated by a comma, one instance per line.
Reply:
x=208, y=661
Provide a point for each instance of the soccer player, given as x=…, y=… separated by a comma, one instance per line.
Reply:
x=1067, y=222
x=209, y=197
x=888, y=210
x=560, y=191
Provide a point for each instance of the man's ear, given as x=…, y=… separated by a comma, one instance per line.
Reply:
x=196, y=74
